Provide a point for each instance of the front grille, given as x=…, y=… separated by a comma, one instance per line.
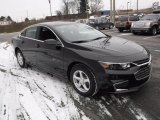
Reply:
x=141, y=61
x=142, y=73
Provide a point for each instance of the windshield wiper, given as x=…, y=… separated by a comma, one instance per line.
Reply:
x=99, y=38
x=83, y=41
x=80, y=41
x=148, y=19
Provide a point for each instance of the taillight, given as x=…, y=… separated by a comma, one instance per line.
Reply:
x=127, y=23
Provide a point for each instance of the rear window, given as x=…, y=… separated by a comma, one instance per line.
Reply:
x=133, y=18
x=123, y=18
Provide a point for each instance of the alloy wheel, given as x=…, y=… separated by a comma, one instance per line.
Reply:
x=154, y=31
x=20, y=58
x=81, y=81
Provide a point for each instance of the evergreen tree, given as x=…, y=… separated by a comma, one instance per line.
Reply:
x=9, y=18
x=83, y=6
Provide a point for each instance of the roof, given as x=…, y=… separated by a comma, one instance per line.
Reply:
x=56, y=23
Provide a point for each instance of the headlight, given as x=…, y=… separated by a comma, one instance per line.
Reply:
x=147, y=24
x=115, y=66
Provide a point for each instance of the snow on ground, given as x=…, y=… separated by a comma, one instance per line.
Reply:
x=30, y=95
x=27, y=94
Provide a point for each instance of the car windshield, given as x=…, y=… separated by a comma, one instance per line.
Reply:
x=78, y=32
x=150, y=17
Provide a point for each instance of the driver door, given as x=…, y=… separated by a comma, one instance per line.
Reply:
x=49, y=56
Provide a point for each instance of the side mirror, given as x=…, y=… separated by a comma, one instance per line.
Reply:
x=52, y=42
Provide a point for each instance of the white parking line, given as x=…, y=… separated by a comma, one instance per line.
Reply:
x=125, y=34
x=157, y=51
x=112, y=32
x=151, y=37
x=9, y=33
x=1, y=33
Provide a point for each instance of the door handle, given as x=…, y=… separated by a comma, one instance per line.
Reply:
x=37, y=45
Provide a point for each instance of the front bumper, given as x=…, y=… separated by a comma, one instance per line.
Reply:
x=146, y=30
x=130, y=89
x=123, y=27
x=129, y=80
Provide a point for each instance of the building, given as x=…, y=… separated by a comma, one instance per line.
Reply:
x=157, y=10
x=5, y=21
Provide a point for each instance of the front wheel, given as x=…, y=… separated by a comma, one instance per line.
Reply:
x=111, y=26
x=83, y=80
x=154, y=31
x=20, y=58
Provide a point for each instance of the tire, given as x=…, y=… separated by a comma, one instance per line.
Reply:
x=20, y=59
x=120, y=30
x=134, y=33
x=83, y=80
x=111, y=26
x=154, y=31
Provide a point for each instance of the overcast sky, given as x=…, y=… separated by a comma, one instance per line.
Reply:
x=18, y=9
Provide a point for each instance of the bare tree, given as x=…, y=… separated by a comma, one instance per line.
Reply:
x=70, y=6
x=95, y=5
x=73, y=6
x=65, y=8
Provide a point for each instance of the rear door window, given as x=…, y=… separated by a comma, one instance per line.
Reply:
x=31, y=32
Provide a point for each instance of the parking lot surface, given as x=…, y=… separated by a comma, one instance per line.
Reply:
x=24, y=91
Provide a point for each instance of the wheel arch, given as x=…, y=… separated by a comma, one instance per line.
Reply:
x=75, y=63
x=155, y=25
x=16, y=49
x=89, y=68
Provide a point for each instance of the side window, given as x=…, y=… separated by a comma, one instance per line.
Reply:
x=45, y=33
x=23, y=33
x=31, y=32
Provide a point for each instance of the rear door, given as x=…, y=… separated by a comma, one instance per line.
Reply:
x=28, y=38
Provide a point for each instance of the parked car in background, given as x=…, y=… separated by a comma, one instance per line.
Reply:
x=124, y=22
x=85, y=21
x=148, y=24
x=91, y=59
x=101, y=23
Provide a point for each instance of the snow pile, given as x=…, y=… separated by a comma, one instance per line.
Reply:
x=27, y=94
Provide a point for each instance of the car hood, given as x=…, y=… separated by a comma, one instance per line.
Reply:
x=115, y=48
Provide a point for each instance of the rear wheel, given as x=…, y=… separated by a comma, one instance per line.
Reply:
x=20, y=59
x=83, y=80
x=120, y=30
x=154, y=31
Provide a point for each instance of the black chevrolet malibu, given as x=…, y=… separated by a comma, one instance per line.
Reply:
x=91, y=59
